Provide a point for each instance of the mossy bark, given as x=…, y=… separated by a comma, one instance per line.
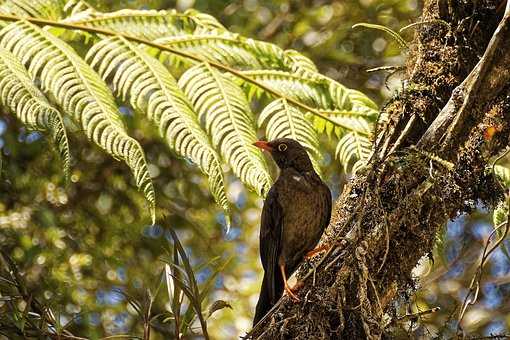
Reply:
x=387, y=217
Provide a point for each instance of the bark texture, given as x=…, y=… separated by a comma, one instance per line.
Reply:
x=429, y=163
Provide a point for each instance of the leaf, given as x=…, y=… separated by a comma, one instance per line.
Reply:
x=305, y=90
x=43, y=9
x=342, y=121
x=153, y=91
x=22, y=97
x=352, y=146
x=81, y=93
x=222, y=47
x=298, y=63
x=503, y=173
x=73, y=7
x=221, y=104
x=391, y=32
x=146, y=24
x=190, y=290
x=216, y=46
x=500, y=216
x=283, y=120
x=216, y=306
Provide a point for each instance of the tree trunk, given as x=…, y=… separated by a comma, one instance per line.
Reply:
x=429, y=163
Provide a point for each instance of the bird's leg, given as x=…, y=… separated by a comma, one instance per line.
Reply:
x=286, y=284
x=312, y=253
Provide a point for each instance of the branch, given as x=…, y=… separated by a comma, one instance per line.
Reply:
x=484, y=83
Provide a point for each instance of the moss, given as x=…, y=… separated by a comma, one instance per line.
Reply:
x=394, y=210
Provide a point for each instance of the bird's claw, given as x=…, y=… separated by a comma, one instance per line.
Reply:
x=291, y=291
x=314, y=252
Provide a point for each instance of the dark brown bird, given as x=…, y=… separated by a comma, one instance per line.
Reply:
x=296, y=211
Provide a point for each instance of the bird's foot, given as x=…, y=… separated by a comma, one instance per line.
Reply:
x=314, y=252
x=291, y=291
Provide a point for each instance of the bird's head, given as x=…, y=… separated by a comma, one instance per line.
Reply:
x=287, y=153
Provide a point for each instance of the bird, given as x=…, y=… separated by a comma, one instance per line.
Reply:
x=296, y=211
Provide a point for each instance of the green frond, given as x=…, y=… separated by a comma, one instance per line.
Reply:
x=80, y=92
x=223, y=47
x=221, y=104
x=503, y=173
x=216, y=46
x=153, y=91
x=343, y=121
x=145, y=24
x=392, y=33
x=298, y=63
x=499, y=216
x=19, y=94
x=43, y=9
x=282, y=120
x=72, y=7
x=305, y=90
x=353, y=147
x=352, y=100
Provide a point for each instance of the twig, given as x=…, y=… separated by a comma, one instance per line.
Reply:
x=474, y=287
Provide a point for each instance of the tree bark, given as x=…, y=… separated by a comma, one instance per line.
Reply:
x=433, y=146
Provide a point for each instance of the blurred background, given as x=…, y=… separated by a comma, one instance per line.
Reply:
x=85, y=247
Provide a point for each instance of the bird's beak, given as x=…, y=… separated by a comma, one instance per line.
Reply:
x=263, y=145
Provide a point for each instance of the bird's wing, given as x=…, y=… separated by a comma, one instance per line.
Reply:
x=325, y=218
x=270, y=240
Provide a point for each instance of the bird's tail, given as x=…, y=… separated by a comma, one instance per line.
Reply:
x=270, y=292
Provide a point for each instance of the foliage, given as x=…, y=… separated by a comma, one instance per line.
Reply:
x=208, y=88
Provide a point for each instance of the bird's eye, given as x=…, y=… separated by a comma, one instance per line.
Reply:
x=282, y=147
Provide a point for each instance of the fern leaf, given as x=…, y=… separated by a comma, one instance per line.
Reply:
x=222, y=47
x=73, y=7
x=353, y=146
x=80, y=92
x=282, y=120
x=499, y=216
x=503, y=173
x=153, y=91
x=298, y=63
x=305, y=90
x=44, y=9
x=348, y=99
x=19, y=94
x=146, y=24
x=342, y=121
x=221, y=104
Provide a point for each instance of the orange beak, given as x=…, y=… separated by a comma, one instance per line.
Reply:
x=263, y=145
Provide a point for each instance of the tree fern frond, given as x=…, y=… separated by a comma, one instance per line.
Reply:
x=80, y=92
x=217, y=46
x=223, y=47
x=73, y=7
x=348, y=99
x=283, y=120
x=221, y=104
x=500, y=214
x=302, y=89
x=298, y=63
x=153, y=91
x=343, y=121
x=203, y=20
x=145, y=24
x=353, y=146
x=503, y=173
x=22, y=97
x=43, y=9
